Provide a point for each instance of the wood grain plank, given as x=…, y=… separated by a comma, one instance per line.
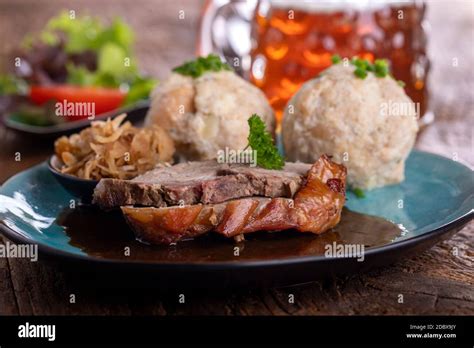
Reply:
x=43, y=288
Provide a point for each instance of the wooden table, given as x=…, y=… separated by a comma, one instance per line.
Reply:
x=434, y=282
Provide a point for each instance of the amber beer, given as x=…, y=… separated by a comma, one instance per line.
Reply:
x=295, y=40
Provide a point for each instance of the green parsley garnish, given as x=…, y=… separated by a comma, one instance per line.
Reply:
x=361, y=63
x=262, y=142
x=380, y=67
x=401, y=83
x=359, y=193
x=360, y=73
x=199, y=66
x=336, y=59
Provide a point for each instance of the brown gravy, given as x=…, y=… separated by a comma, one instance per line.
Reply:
x=106, y=235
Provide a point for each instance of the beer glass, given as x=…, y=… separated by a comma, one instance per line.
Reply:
x=280, y=44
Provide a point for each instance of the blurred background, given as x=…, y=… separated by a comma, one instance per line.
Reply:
x=432, y=51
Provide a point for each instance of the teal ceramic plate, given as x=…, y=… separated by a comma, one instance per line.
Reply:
x=435, y=200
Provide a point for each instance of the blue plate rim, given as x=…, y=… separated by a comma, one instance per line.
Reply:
x=229, y=265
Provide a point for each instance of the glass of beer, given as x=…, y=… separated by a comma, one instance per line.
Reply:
x=280, y=44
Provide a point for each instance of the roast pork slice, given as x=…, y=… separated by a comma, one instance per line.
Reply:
x=315, y=208
x=206, y=182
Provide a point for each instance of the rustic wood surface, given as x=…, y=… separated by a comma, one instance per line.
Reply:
x=434, y=282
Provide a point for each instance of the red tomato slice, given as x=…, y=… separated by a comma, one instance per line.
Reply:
x=98, y=99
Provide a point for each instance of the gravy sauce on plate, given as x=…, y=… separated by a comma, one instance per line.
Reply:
x=106, y=235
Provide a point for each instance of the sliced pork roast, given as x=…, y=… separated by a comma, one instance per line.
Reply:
x=206, y=182
x=315, y=206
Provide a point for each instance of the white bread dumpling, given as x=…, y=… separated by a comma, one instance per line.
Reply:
x=209, y=113
x=365, y=124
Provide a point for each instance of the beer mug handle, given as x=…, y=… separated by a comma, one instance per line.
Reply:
x=225, y=29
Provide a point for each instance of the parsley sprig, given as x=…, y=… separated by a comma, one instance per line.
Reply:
x=359, y=193
x=336, y=59
x=262, y=142
x=380, y=67
x=200, y=65
x=363, y=66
